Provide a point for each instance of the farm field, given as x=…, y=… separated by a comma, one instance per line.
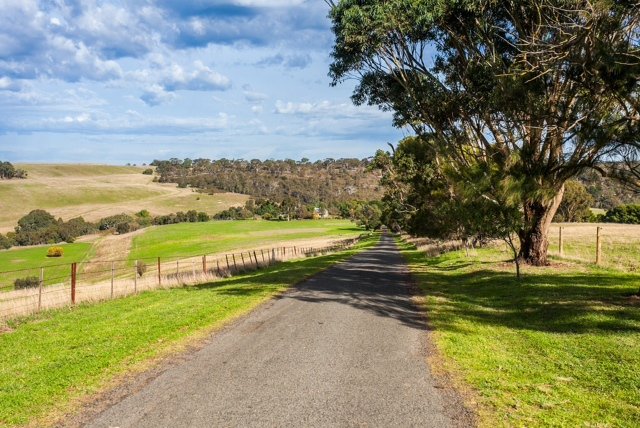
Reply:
x=187, y=239
x=50, y=363
x=97, y=191
x=620, y=244
x=22, y=262
x=170, y=241
x=560, y=347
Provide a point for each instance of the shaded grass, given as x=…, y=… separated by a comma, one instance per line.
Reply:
x=561, y=347
x=50, y=361
x=33, y=258
x=218, y=236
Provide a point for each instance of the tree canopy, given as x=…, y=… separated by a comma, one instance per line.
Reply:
x=533, y=92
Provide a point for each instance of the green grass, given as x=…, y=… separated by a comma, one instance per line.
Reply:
x=51, y=361
x=561, y=347
x=219, y=236
x=28, y=260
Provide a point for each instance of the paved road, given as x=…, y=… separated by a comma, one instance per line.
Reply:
x=346, y=348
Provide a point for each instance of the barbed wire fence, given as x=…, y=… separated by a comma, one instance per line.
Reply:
x=68, y=284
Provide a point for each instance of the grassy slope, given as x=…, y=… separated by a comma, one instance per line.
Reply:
x=96, y=191
x=48, y=362
x=559, y=348
x=218, y=236
x=33, y=258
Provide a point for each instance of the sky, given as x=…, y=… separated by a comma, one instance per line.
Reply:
x=124, y=81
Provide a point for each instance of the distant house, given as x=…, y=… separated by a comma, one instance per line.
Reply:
x=320, y=213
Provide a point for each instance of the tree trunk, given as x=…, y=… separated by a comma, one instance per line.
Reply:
x=534, y=236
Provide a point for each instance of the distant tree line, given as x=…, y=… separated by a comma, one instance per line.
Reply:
x=295, y=186
x=8, y=171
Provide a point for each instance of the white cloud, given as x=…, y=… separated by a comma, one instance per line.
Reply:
x=253, y=96
x=202, y=78
x=156, y=95
x=7, y=84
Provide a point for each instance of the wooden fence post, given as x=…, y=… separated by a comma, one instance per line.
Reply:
x=560, y=243
x=113, y=264
x=242, y=257
x=40, y=285
x=159, y=273
x=598, y=246
x=262, y=252
x=255, y=258
x=226, y=256
x=235, y=266
x=204, y=264
x=73, y=282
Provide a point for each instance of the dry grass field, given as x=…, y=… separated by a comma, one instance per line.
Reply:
x=620, y=244
x=97, y=191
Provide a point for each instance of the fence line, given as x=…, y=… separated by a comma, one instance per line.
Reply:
x=116, y=278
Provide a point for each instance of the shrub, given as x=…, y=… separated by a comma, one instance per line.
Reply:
x=628, y=214
x=148, y=171
x=28, y=282
x=113, y=221
x=123, y=228
x=5, y=242
x=141, y=268
x=55, y=252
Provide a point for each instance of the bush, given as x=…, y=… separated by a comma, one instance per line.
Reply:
x=148, y=171
x=5, y=242
x=55, y=252
x=123, y=228
x=28, y=282
x=627, y=214
x=113, y=221
x=141, y=268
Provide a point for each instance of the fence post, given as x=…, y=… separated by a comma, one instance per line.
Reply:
x=218, y=266
x=273, y=255
x=262, y=252
x=235, y=266
x=244, y=267
x=135, y=277
x=226, y=256
x=204, y=264
x=598, y=246
x=40, y=284
x=255, y=258
x=112, y=275
x=73, y=283
x=560, y=243
x=159, y=273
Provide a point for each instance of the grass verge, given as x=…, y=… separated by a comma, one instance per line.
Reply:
x=49, y=362
x=561, y=347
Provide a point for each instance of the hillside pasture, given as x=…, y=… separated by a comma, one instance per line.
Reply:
x=97, y=191
x=188, y=239
x=22, y=262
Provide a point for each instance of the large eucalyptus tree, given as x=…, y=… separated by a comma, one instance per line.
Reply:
x=538, y=90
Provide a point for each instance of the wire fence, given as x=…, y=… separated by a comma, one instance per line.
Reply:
x=60, y=285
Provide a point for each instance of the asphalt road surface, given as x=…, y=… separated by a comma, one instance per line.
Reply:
x=345, y=348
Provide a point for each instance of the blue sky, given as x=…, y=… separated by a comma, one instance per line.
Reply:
x=132, y=81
